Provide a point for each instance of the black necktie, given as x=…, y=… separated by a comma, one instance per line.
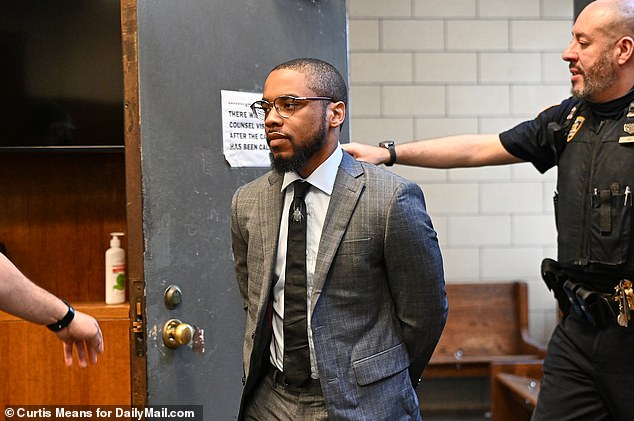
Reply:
x=296, y=351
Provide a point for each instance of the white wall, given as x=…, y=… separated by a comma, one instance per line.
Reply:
x=426, y=68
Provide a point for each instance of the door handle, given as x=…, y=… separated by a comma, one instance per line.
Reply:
x=177, y=333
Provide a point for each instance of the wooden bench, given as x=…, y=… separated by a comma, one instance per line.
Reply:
x=487, y=322
x=514, y=390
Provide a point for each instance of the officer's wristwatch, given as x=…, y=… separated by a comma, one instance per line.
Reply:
x=390, y=146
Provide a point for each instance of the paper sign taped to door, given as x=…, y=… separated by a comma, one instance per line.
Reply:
x=244, y=140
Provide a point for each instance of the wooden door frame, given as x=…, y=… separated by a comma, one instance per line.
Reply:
x=134, y=209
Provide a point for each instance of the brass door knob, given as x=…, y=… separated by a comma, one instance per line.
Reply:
x=177, y=333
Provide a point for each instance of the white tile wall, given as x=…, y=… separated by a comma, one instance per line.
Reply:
x=429, y=68
x=473, y=100
x=412, y=35
x=364, y=35
x=510, y=67
x=477, y=35
x=382, y=68
x=541, y=35
x=445, y=68
x=501, y=173
x=445, y=8
x=508, y=8
x=461, y=263
x=398, y=129
x=551, y=70
x=457, y=199
x=557, y=8
x=511, y=198
x=413, y=101
x=435, y=127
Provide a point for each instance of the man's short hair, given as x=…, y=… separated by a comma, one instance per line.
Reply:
x=323, y=78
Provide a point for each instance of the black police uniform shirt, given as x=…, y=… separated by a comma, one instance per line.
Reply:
x=593, y=146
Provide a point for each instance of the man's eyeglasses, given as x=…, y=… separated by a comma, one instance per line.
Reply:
x=284, y=105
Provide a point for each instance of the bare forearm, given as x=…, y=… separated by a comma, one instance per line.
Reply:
x=445, y=152
x=454, y=151
x=21, y=297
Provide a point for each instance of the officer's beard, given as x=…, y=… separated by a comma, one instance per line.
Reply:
x=598, y=78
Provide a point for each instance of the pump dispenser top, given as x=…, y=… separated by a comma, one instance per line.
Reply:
x=115, y=241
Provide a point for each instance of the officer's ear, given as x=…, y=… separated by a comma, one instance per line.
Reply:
x=626, y=49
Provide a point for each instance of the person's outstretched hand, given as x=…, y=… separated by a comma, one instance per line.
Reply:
x=83, y=334
x=368, y=153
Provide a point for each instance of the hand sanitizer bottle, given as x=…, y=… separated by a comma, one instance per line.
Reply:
x=115, y=271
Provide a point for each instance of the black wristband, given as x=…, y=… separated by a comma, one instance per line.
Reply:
x=391, y=147
x=64, y=321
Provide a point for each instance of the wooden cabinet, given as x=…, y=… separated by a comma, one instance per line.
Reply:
x=58, y=208
x=33, y=370
x=63, y=191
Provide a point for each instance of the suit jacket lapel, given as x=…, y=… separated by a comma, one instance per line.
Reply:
x=270, y=209
x=345, y=195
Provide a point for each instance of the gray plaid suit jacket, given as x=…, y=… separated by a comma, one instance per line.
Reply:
x=381, y=303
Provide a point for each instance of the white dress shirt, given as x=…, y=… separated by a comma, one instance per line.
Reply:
x=317, y=200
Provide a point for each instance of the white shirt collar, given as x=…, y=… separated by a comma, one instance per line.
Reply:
x=323, y=177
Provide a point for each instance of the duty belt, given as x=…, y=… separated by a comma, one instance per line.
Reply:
x=602, y=309
x=599, y=308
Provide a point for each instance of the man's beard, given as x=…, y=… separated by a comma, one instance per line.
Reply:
x=600, y=76
x=301, y=153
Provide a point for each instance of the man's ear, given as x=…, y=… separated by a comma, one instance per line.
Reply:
x=626, y=49
x=337, y=114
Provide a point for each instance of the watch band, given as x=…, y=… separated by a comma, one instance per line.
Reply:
x=64, y=321
x=391, y=147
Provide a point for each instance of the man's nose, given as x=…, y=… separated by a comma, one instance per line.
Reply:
x=569, y=54
x=273, y=118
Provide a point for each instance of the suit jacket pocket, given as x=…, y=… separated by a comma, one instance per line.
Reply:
x=382, y=365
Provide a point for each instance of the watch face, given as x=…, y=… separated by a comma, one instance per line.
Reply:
x=390, y=146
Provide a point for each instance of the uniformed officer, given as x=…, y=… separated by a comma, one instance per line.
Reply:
x=589, y=367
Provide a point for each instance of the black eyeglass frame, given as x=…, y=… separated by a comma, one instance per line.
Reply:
x=261, y=112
